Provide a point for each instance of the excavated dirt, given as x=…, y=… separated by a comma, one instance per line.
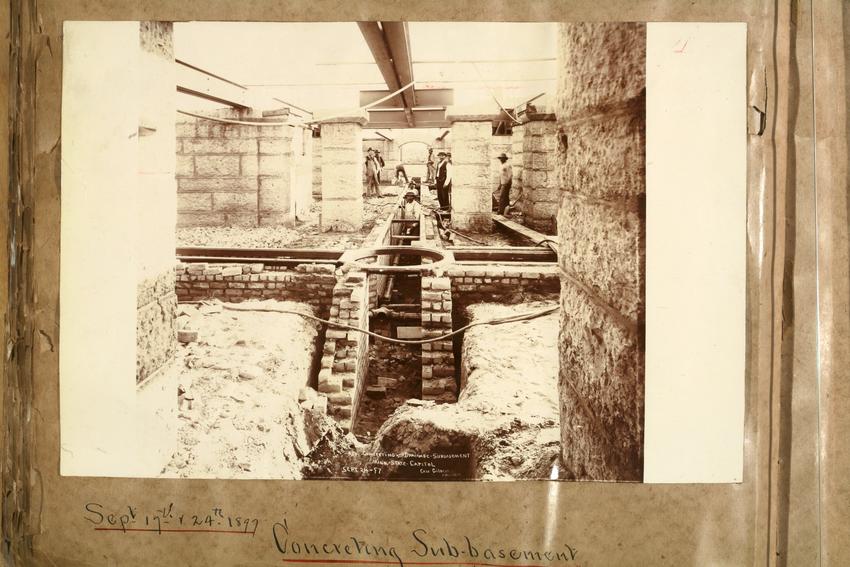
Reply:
x=253, y=416
x=305, y=234
x=245, y=372
x=504, y=426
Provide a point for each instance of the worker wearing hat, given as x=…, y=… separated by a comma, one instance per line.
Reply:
x=444, y=180
x=502, y=196
x=410, y=209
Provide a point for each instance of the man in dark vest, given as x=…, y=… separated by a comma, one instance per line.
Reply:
x=444, y=181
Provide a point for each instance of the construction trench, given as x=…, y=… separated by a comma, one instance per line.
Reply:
x=445, y=397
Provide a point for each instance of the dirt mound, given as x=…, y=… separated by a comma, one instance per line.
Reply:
x=244, y=374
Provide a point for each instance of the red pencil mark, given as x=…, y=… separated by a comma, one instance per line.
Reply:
x=163, y=530
x=682, y=49
x=366, y=562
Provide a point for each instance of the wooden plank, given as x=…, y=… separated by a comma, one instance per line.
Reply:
x=541, y=254
x=533, y=235
x=260, y=253
x=249, y=260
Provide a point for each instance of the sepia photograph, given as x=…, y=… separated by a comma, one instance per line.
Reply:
x=354, y=250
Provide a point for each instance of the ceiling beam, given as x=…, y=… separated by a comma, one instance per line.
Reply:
x=398, y=39
x=424, y=97
x=197, y=82
x=380, y=47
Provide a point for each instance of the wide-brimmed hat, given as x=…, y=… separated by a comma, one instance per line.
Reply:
x=502, y=156
x=410, y=193
x=441, y=154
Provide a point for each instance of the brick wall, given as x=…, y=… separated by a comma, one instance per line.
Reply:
x=306, y=283
x=601, y=171
x=237, y=175
x=475, y=283
x=345, y=359
x=438, y=370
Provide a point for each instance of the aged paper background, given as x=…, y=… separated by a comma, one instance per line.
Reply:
x=608, y=524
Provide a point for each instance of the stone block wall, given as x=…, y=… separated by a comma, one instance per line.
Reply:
x=540, y=197
x=317, y=169
x=237, y=175
x=601, y=171
x=345, y=359
x=472, y=199
x=517, y=145
x=156, y=330
x=438, y=366
x=156, y=303
x=302, y=172
x=305, y=283
x=342, y=175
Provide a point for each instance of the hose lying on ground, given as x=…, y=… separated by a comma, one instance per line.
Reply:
x=527, y=316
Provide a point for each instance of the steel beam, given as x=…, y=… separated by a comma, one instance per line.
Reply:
x=380, y=48
x=424, y=97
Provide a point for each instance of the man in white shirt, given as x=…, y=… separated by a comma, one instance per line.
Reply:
x=501, y=198
x=410, y=210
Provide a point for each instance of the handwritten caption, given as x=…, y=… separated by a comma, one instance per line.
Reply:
x=420, y=547
x=129, y=518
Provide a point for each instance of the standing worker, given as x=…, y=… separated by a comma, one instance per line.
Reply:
x=506, y=175
x=371, y=174
x=380, y=163
x=444, y=181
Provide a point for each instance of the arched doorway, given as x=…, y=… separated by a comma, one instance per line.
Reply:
x=413, y=155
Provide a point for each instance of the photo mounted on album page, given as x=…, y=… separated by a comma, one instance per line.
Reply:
x=401, y=254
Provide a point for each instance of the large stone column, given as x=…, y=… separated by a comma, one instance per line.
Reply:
x=471, y=191
x=517, y=146
x=601, y=220
x=342, y=173
x=276, y=174
x=540, y=191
